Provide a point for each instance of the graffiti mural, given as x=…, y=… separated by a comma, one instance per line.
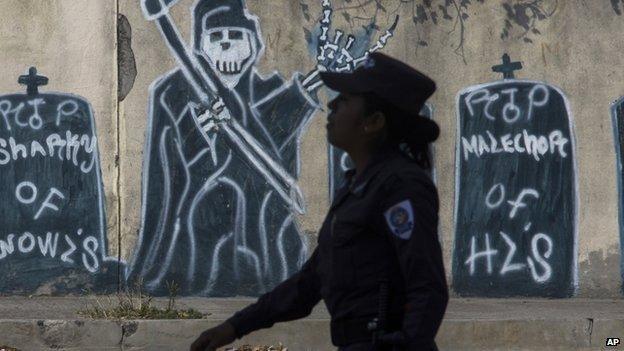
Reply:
x=52, y=228
x=220, y=190
x=516, y=197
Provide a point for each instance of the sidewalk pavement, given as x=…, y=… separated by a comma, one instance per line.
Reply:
x=51, y=323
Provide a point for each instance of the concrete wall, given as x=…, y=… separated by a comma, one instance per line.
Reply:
x=567, y=45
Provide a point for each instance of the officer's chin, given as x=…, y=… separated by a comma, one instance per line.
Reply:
x=330, y=134
x=332, y=141
x=335, y=138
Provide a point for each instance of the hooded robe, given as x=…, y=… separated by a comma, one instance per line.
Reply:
x=211, y=223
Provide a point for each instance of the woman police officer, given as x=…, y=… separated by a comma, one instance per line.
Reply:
x=378, y=264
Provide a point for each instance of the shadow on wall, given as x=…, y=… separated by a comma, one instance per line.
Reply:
x=126, y=64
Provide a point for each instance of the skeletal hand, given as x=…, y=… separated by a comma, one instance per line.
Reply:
x=209, y=119
x=335, y=52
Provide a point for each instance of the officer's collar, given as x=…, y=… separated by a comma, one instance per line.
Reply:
x=358, y=184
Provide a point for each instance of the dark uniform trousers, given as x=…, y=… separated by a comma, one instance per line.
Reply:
x=378, y=256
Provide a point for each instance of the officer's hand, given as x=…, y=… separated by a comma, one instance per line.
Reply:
x=213, y=338
x=153, y=8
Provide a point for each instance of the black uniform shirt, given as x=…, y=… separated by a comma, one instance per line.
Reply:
x=380, y=229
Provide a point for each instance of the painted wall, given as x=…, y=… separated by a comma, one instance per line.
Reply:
x=58, y=145
x=516, y=195
x=217, y=211
x=53, y=200
x=235, y=182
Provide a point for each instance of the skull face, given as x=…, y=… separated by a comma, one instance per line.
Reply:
x=230, y=52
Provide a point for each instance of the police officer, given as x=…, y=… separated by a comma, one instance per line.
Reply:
x=378, y=264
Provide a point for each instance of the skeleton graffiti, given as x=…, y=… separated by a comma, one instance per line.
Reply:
x=53, y=223
x=516, y=205
x=221, y=160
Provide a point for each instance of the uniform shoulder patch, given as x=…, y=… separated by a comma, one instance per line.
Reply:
x=400, y=219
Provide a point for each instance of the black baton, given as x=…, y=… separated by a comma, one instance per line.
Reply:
x=378, y=325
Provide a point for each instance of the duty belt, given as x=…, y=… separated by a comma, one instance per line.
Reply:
x=351, y=331
x=346, y=332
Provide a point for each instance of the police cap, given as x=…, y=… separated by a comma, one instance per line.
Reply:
x=394, y=81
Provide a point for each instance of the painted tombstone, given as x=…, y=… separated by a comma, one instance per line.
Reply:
x=339, y=161
x=53, y=232
x=516, y=203
x=221, y=163
x=617, y=114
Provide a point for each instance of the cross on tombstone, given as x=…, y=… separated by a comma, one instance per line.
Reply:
x=507, y=68
x=32, y=81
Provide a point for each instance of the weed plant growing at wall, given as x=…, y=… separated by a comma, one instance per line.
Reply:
x=135, y=304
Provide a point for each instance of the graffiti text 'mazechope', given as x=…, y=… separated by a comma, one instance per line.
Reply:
x=535, y=145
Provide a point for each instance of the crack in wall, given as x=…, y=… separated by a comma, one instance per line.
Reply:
x=121, y=340
x=590, y=329
x=126, y=76
x=127, y=330
x=117, y=154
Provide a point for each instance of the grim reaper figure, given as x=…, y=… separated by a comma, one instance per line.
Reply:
x=221, y=156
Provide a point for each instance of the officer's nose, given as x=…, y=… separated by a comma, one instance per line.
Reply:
x=225, y=45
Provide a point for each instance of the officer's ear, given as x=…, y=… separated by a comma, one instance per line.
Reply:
x=374, y=123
